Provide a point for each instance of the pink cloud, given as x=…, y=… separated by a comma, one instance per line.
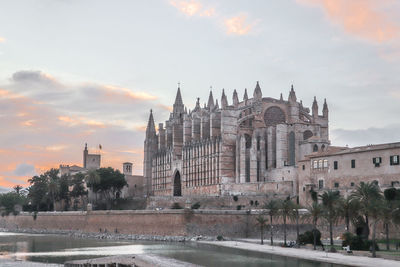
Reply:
x=365, y=19
x=189, y=8
x=237, y=25
x=2, y=40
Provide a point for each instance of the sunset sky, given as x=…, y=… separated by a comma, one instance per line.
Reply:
x=76, y=71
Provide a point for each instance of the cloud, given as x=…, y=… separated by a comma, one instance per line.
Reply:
x=189, y=8
x=24, y=169
x=2, y=40
x=237, y=25
x=360, y=137
x=49, y=120
x=233, y=25
x=366, y=19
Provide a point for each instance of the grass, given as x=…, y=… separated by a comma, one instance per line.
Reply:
x=391, y=241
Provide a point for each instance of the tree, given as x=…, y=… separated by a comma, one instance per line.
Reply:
x=273, y=210
x=111, y=181
x=349, y=211
x=365, y=194
x=315, y=211
x=17, y=189
x=78, y=189
x=330, y=200
x=11, y=202
x=64, y=194
x=92, y=179
x=296, y=207
x=261, y=222
x=37, y=192
x=375, y=211
x=286, y=211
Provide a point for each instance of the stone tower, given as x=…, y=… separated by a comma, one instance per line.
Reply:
x=150, y=148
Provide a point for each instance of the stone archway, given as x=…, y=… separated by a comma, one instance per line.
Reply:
x=177, y=185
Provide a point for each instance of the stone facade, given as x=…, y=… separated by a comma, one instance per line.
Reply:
x=341, y=168
x=242, y=148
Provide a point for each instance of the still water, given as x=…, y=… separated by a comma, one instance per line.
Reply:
x=60, y=248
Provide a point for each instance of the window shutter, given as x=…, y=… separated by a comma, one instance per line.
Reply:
x=391, y=160
x=373, y=160
x=380, y=159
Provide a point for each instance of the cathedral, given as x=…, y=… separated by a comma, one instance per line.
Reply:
x=245, y=147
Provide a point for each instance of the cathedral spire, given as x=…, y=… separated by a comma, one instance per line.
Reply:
x=292, y=95
x=257, y=92
x=315, y=108
x=281, y=97
x=245, y=97
x=224, y=101
x=197, y=105
x=210, y=104
x=325, y=109
x=178, y=105
x=216, y=104
x=151, y=129
x=235, y=98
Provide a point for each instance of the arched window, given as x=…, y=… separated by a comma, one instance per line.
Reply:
x=292, y=149
x=323, y=147
x=315, y=148
x=307, y=134
x=273, y=116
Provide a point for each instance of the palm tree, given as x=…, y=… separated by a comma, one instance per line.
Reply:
x=273, y=210
x=349, y=211
x=92, y=178
x=286, y=211
x=375, y=211
x=262, y=222
x=330, y=200
x=53, y=191
x=296, y=207
x=315, y=211
x=365, y=194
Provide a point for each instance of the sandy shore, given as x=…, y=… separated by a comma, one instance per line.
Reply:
x=321, y=256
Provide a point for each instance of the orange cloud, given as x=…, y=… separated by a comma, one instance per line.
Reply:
x=362, y=18
x=2, y=40
x=237, y=25
x=128, y=93
x=56, y=147
x=189, y=8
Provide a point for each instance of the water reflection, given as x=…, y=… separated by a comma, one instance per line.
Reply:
x=58, y=249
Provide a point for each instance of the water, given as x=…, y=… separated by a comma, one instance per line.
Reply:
x=60, y=248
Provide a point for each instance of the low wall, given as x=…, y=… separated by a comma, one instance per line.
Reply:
x=227, y=223
x=146, y=222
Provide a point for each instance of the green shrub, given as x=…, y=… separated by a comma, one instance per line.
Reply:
x=220, y=238
x=195, y=206
x=308, y=238
x=239, y=207
x=251, y=202
x=235, y=198
x=357, y=243
x=176, y=206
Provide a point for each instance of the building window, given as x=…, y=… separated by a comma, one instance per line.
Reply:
x=325, y=163
x=335, y=165
x=351, y=184
x=377, y=161
x=321, y=184
x=315, y=164
x=336, y=185
x=315, y=148
x=395, y=183
x=394, y=160
x=304, y=167
x=353, y=163
x=258, y=143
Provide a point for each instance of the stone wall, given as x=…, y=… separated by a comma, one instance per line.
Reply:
x=165, y=222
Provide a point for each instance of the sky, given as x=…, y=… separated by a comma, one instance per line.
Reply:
x=88, y=71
